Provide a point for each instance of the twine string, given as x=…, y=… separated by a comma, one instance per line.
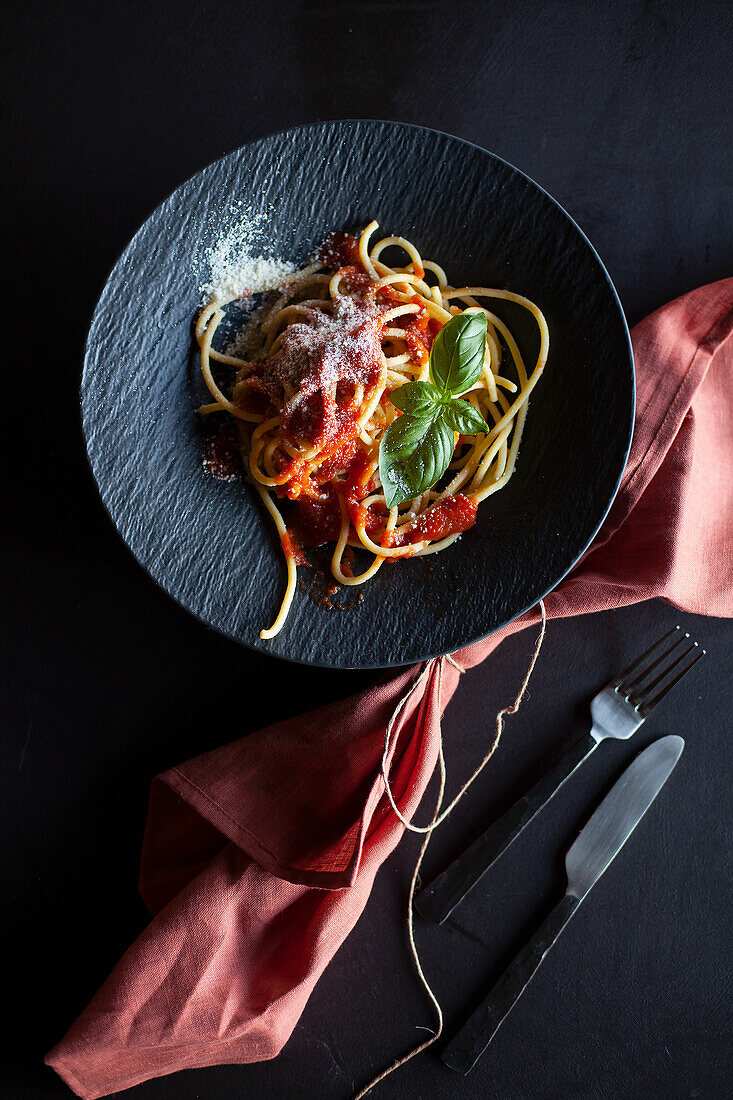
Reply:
x=503, y=713
x=436, y=820
x=452, y=661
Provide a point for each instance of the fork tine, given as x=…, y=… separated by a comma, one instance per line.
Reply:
x=634, y=686
x=648, y=706
x=642, y=692
x=635, y=664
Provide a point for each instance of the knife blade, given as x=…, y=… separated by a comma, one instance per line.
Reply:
x=620, y=812
x=602, y=838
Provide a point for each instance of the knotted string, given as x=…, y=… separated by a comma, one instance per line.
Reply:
x=436, y=820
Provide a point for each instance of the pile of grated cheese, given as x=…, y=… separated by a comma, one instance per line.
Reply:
x=234, y=267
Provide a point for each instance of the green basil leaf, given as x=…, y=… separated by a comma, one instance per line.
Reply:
x=457, y=354
x=413, y=455
x=462, y=417
x=416, y=398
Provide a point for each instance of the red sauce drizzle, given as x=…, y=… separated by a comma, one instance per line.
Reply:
x=339, y=249
x=357, y=280
x=292, y=548
x=448, y=517
x=316, y=521
x=222, y=457
x=420, y=329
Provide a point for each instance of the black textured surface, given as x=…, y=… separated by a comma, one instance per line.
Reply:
x=212, y=545
x=624, y=112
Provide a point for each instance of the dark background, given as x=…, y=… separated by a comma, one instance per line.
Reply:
x=622, y=112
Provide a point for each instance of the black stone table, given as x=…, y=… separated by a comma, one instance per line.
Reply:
x=623, y=113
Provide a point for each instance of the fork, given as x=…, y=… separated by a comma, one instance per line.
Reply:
x=617, y=711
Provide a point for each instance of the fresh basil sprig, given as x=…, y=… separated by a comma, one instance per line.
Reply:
x=417, y=447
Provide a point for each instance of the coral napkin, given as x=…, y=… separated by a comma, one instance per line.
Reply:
x=259, y=857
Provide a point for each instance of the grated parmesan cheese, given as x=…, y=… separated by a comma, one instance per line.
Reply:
x=247, y=274
x=234, y=263
x=337, y=347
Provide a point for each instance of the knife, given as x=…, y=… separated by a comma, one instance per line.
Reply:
x=598, y=843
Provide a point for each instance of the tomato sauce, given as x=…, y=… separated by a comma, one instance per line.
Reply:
x=338, y=250
x=357, y=280
x=292, y=548
x=320, y=420
x=372, y=519
x=316, y=521
x=340, y=459
x=222, y=456
x=420, y=329
x=347, y=562
x=451, y=516
x=359, y=480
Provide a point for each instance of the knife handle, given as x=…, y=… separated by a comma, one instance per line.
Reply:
x=438, y=900
x=467, y=1046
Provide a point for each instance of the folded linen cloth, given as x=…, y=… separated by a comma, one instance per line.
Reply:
x=259, y=857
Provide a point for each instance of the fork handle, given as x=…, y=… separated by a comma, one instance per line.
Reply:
x=438, y=900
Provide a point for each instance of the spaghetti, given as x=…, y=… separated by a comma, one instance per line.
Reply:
x=312, y=403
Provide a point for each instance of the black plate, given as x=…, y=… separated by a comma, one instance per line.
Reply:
x=208, y=543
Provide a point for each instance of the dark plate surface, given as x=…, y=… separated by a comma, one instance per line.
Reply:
x=210, y=544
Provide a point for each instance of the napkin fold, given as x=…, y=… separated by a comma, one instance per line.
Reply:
x=259, y=857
